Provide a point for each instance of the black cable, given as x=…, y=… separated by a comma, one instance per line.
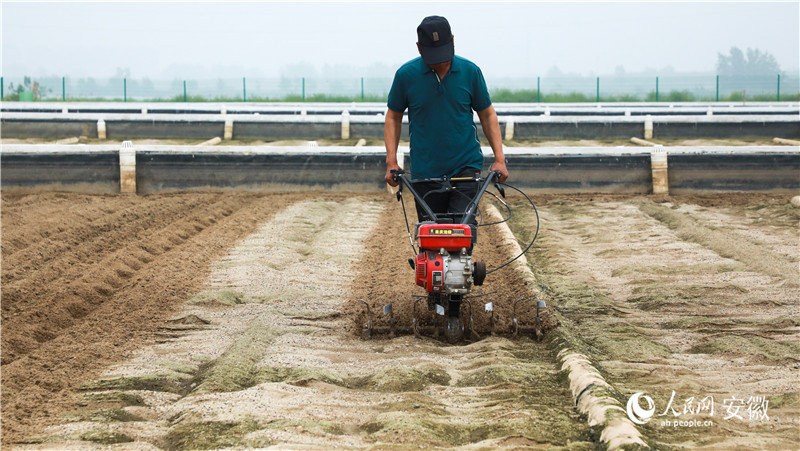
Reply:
x=408, y=228
x=480, y=295
x=535, y=235
x=507, y=209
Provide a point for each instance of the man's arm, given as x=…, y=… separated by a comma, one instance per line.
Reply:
x=491, y=128
x=391, y=137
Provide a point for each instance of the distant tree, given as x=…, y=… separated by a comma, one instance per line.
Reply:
x=753, y=62
x=28, y=85
x=554, y=71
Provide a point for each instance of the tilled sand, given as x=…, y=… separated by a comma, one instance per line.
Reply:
x=278, y=367
x=155, y=347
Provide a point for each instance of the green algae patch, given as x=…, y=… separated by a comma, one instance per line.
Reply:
x=428, y=432
x=660, y=270
x=222, y=297
x=104, y=437
x=115, y=397
x=403, y=379
x=210, y=434
x=658, y=296
x=317, y=427
x=415, y=403
x=499, y=374
x=236, y=369
x=619, y=340
x=295, y=375
x=157, y=382
x=785, y=400
x=713, y=325
x=105, y=416
x=420, y=431
x=750, y=345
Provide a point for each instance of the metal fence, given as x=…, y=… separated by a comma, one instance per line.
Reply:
x=531, y=89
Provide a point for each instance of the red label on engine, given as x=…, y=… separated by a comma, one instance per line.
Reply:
x=446, y=231
x=452, y=237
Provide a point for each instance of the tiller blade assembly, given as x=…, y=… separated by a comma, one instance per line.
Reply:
x=443, y=266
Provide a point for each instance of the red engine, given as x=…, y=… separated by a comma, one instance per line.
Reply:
x=430, y=271
x=444, y=264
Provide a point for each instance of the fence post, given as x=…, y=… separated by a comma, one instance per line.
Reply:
x=538, y=90
x=656, y=89
x=779, y=87
x=598, y=89
x=362, y=88
x=63, y=89
x=184, y=90
x=244, y=90
x=717, y=88
x=2, y=88
x=304, y=88
x=124, y=89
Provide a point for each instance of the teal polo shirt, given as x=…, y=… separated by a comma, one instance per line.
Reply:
x=444, y=138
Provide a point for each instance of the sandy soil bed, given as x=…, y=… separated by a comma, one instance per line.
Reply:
x=210, y=320
x=679, y=296
x=86, y=279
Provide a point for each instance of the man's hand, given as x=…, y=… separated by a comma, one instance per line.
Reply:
x=389, y=176
x=391, y=138
x=500, y=166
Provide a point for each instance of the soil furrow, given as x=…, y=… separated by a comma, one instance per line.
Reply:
x=43, y=217
x=67, y=300
x=80, y=246
x=41, y=384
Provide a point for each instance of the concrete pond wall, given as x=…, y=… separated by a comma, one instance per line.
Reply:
x=173, y=168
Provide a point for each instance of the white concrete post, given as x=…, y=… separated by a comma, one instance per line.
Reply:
x=127, y=168
x=709, y=112
x=345, y=124
x=658, y=165
x=144, y=110
x=101, y=129
x=228, y=132
x=65, y=110
x=547, y=111
x=648, y=127
x=509, y=129
x=627, y=112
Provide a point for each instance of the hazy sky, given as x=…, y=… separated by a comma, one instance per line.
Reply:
x=505, y=39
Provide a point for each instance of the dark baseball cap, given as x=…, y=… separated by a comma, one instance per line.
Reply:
x=435, y=40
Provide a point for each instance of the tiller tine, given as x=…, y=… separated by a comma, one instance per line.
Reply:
x=489, y=307
x=368, y=326
x=470, y=328
x=440, y=321
x=415, y=320
x=389, y=311
x=536, y=328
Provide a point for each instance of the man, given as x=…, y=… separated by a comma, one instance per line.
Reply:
x=440, y=91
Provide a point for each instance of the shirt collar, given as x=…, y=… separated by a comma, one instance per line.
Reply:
x=426, y=70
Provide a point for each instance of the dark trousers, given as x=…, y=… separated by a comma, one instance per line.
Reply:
x=451, y=202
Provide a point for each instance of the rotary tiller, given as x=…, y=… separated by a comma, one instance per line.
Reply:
x=444, y=268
